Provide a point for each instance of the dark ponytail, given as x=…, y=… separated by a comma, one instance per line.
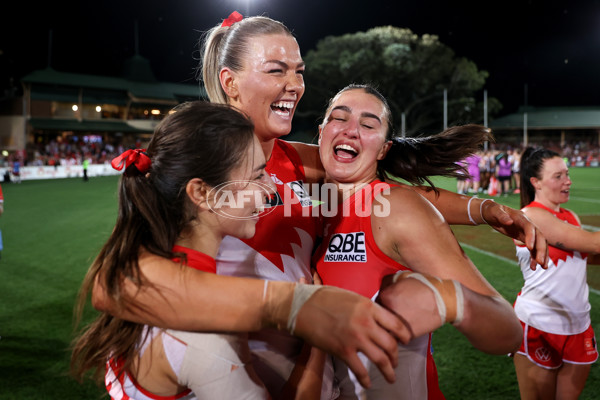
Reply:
x=532, y=161
x=199, y=140
x=416, y=159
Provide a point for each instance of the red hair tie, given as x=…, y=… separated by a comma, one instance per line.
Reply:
x=232, y=19
x=137, y=157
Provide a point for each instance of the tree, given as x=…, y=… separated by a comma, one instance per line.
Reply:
x=411, y=71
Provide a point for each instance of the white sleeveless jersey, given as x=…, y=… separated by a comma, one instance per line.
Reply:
x=555, y=300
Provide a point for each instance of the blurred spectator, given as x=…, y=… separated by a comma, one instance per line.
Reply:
x=474, y=178
x=462, y=181
x=486, y=167
x=16, y=170
x=503, y=172
x=85, y=164
x=516, y=171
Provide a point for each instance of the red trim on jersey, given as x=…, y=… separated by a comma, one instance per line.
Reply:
x=563, y=214
x=433, y=386
x=196, y=259
x=116, y=366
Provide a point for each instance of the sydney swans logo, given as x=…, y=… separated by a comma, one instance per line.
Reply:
x=240, y=199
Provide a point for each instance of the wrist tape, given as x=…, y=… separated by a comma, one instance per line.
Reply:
x=448, y=295
x=282, y=302
x=302, y=292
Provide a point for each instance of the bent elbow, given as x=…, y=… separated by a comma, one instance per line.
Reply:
x=510, y=339
x=517, y=336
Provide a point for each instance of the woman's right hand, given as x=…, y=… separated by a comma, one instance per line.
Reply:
x=344, y=323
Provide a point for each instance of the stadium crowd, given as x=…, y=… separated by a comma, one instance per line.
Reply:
x=496, y=171
x=73, y=150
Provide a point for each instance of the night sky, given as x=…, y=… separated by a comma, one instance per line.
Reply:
x=553, y=47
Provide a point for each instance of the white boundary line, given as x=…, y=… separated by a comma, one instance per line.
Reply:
x=507, y=260
x=584, y=199
x=590, y=228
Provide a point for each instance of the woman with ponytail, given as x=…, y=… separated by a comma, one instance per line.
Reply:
x=255, y=65
x=177, y=201
x=559, y=344
x=378, y=229
x=168, y=209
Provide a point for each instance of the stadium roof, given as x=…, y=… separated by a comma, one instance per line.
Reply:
x=551, y=118
x=49, y=84
x=53, y=124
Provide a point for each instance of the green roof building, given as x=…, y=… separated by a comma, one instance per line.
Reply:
x=119, y=110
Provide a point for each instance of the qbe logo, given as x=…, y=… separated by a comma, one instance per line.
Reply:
x=347, y=247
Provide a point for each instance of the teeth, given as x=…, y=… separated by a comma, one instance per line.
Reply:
x=346, y=147
x=258, y=211
x=284, y=104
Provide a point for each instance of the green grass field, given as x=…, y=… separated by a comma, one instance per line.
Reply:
x=52, y=229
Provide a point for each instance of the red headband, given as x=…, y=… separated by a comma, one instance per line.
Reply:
x=137, y=157
x=232, y=19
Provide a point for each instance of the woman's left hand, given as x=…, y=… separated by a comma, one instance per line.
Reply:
x=515, y=224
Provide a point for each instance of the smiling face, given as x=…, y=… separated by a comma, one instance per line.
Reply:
x=269, y=85
x=238, y=203
x=552, y=189
x=352, y=137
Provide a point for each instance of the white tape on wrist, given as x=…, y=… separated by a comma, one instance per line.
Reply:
x=265, y=287
x=302, y=293
x=439, y=300
x=481, y=209
x=469, y=211
x=460, y=303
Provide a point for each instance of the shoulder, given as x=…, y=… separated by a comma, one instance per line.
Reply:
x=405, y=206
x=402, y=195
x=311, y=160
x=403, y=220
x=536, y=214
x=550, y=225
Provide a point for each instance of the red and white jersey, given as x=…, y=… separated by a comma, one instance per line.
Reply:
x=348, y=257
x=285, y=233
x=555, y=300
x=280, y=250
x=124, y=387
x=119, y=384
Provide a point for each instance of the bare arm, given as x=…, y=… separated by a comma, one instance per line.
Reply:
x=306, y=379
x=563, y=235
x=337, y=321
x=508, y=221
x=186, y=299
x=417, y=236
x=313, y=169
